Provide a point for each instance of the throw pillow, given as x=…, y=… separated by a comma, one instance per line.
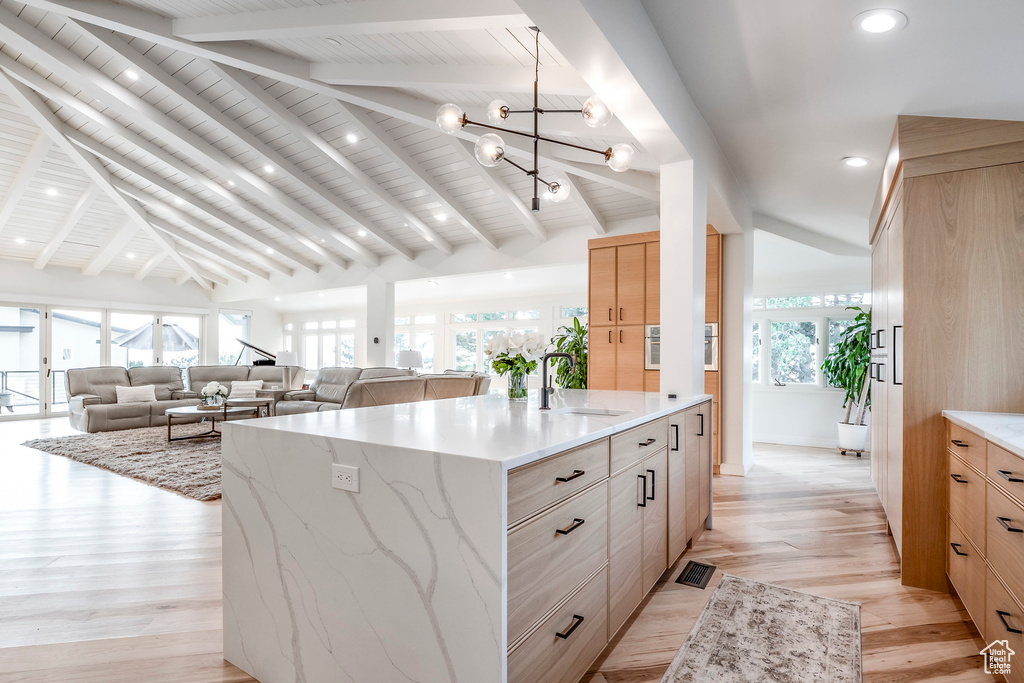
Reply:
x=140, y=394
x=245, y=389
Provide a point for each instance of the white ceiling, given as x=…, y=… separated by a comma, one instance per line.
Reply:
x=784, y=267
x=789, y=88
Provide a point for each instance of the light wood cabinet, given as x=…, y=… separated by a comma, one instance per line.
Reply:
x=601, y=354
x=678, y=529
x=652, y=271
x=602, y=286
x=655, y=518
x=625, y=548
x=629, y=355
x=630, y=285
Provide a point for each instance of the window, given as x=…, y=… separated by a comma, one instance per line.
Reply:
x=329, y=351
x=755, y=374
x=835, y=331
x=758, y=303
x=859, y=299
x=425, y=319
x=312, y=325
x=463, y=317
x=311, y=357
x=402, y=321
x=233, y=326
x=794, y=352
x=574, y=311
x=494, y=315
x=329, y=325
x=465, y=350
x=812, y=301
x=346, y=350
x=525, y=315
x=181, y=340
x=131, y=339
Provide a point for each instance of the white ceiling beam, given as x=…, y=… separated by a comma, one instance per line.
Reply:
x=23, y=178
x=248, y=139
x=502, y=190
x=210, y=270
x=118, y=241
x=556, y=80
x=204, y=247
x=590, y=212
x=156, y=29
x=33, y=107
x=380, y=16
x=150, y=265
x=808, y=237
x=272, y=108
x=67, y=226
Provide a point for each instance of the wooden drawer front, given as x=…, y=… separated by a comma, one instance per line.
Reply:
x=966, y=444
x=545, y=656
x=538, y=485
x=967, y=570
x=545, y=565
x=1005, y=549
x=998, y=626
x=967, y=500
x=1007, y=470
x=638, y=443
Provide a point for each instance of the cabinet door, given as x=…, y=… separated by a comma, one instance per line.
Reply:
x=879, y=435
x=655, y=469
x=602, y=286
x=629, y=358
x=692, y=441
x=652, y=275
x=601, y=357
x=704, y=430
x=625, y=548
x=677, y=527
x=630, y=285
x=894, y=392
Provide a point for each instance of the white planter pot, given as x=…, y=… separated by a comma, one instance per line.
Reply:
x=853, y=437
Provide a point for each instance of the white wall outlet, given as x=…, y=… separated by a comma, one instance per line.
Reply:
x=345, y=477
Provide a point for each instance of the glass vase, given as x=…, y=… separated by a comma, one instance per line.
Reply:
x=517, y=384
x=213, y=401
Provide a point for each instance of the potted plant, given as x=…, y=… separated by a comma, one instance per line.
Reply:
x=571, y=340
x=846, y=367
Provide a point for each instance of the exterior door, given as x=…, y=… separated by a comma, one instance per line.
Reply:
x=22, y=366
x=76, y=341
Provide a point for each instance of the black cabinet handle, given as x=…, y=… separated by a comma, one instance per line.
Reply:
x=676, y=428
x=959, y=444
x=959, y=478
x=609, y=315
x=1008, y=476
x=1002, y=617
x=620, y=313
x=879, y=343
x=574, y=475
x=881, y=373
x=1005, y=521
x=576, y=524
x=576, y=621
x=871, y=368
x=652, y=485
x=956, y=549
x=620, y=336
x=609, y=336
x=648, y=442
x=701, y=416
x=643, y=498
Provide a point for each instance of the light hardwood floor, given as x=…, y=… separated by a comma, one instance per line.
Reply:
x=106, y=579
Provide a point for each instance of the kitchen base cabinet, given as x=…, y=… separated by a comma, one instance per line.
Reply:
x=1004, y=620
x=655, y=470
x=625, y=547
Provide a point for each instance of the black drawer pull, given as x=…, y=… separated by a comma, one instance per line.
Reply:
x=648, y=442
x=576, y=524
x=701, y=416
x=956, y=549
x=676, y=428
x=1005, y=521
x=959, y=478
x=576, y=621
x=959, y=444
x=652, y=485
x=1008, y=476
x=643, y=498
x=609, y=316
x=574, y=475
x=1002, y=617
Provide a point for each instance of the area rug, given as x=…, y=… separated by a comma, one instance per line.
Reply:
x=754, y=632
x=191, y=468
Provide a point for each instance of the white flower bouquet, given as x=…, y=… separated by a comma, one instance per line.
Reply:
x=214, y=393
x=516, y=354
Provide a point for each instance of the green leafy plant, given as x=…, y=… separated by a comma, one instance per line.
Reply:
x=846, y=366
x=571, y=340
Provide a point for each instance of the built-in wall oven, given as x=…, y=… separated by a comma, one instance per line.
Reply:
x=652, y=351
x=711, y=346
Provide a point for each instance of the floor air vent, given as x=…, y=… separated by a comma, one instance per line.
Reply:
x=696, y=574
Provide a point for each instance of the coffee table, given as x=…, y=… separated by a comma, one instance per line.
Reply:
x=192, y=411
x=264, y=406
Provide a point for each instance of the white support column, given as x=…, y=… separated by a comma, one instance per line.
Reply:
x=380, y=323
x=683, y=266
x=737, y=300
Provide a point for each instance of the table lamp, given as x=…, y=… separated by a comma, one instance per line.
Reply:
x=410, y=359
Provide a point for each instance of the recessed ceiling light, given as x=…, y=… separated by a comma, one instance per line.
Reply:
x=269, y=250
x=52, y=191
x=856, y=162
x=19, y=240
x=361, y=233
x=231, y=183
x=428, y=238
x=319, y=293
x=352, y=138
x=441, y=216
x=880, y=21
x=509, y=276
x=268, y=168
x=130, y=255
x=277, y=298
x=432, y=283
x=323, y=241
x=131, y=75
x=334, y=41
x=179, y=201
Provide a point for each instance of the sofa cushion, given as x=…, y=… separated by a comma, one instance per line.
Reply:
x=142, y=394
x=384, y=391
x=331, y=384
x=158, y=410
x=113, y=416
x=201, y=375
x=166, y=379
x=246, y=389
x=376, y=373
x=299, y=407
x=449, y=386
x=97, y=381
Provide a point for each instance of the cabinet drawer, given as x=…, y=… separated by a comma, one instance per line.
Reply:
x=967, y=570
x=966, y=498
x=1005, y=549
x=966, y=444
x=533, y=487
x=1002, y=616
x=1007, y=470
x=547, y=656
x=553, y=553
x=638, y=443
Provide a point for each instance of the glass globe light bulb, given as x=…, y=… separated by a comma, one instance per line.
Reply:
x=621, y=157
x=596, y=113
x=558, y=191
x=497, y=111
x=489, y=150
x=449, y=117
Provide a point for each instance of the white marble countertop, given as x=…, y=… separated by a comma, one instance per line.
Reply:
x=486, y=427
x=1005, y=430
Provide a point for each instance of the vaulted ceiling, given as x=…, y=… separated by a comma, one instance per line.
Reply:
x=221, y=140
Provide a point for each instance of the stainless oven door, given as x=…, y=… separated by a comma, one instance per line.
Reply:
x=711, y=346
x=652, y=350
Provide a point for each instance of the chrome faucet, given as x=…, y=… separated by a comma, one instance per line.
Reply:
x=545, y=389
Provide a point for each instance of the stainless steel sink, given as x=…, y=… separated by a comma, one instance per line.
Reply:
x=588, y=412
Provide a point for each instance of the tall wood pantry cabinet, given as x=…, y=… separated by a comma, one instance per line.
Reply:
x=947, y=271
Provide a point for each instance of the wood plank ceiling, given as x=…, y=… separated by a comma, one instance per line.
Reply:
x=127, y=147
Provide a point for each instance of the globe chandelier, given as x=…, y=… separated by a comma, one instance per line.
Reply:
x=490, y=148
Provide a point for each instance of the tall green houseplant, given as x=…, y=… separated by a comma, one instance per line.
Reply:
x=571, y=340
x=846, y=367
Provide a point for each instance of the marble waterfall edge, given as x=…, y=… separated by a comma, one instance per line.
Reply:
x=327, y=585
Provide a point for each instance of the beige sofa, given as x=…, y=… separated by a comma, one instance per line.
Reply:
x=92, y=397
x=287, y=376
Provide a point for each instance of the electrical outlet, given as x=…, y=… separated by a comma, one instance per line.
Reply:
x=345, y=477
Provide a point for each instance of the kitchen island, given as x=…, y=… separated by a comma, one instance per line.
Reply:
x=488, y=541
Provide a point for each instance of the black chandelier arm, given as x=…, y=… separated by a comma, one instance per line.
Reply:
x=545, y=111
x=524, y=170
x=606, y=153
